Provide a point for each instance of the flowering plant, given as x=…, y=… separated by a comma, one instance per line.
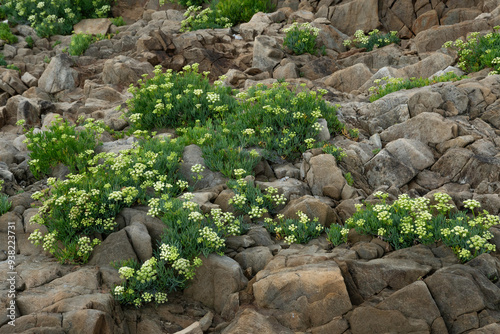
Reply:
x=301, y=38
x=374, y=39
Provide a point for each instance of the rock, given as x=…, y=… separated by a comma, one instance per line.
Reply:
x=349, y=79
x=373, y=276
x=116, y=247
x=88, y=320
x=390, y=57
x=290, y=188
x=194, y=328
x=92, y=26
x=354, y=15
x=256, y=258
x=12, y=79
x=369, y=320
x=433, y=39
x=29, y=80
x=255, y=27
x=398, y=163
x=458, y=15
x=289, y=71
x=425, y=127
x=413, y=301
x=303, y=296
x=140, y=240
x=428, y=66
x=249, y=321
x=192, y=155
x=330, y=37
x=318, y=68
x=313, y=208
x=425, y=21
x=266, y=53
x=324, y=177
x=216, y=279
x=123, y=70
x=368, y=250
x=59, y=75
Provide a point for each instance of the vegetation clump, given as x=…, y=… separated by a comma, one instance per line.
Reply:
x=301, y=38
x=409, y=221
x=388, y=85
x=478, y=52
x=374, y=39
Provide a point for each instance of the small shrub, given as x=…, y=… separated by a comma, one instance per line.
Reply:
x=337, y=152
x=14, y=67
x=240, y=11
x=2, y=60
x=30, y=41
x=170, y=100
x=301, y=38
x=79, y=44
x=5, y=204
x=349, y=179
x=409, y=221
x=56, y=17
x=478, y=52
x=62, y=144
x=6, y=34
x=300, y=230
x=208, y=18
x=388, y=85
x=83, y=207
x=46, y=59
x=185, y=3
x=118, y=21
x=374, y=39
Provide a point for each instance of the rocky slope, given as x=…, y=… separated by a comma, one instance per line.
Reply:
x=441, y=138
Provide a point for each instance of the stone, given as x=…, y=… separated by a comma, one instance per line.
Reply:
x=368, y=250
x=425, y=21
x=303, y=296
x=290, y=188
x=59, y=75
x=425, y=127
x=354, y=15
x=313, y=208
x=266, y=53
x=191, y=156
x=349, y=79
x=425, y=100
x=318, y=68
x=255, y=27
x=288, y=71
x=216, y=279
x=123, y=70
x=140, y=240
x=324, y=177
x=373, y=276
x=250, y=321
x=256, y=258
x=369, y=320
x=413, y=301
x=92, y=26
x=452, y=162
x=116, y=247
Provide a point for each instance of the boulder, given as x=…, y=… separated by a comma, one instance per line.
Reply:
x=123, y=70
x=249, y=321
x=216, y=279
x=59, y=75
x=92, y=26
x=324, y=177
x=358, y=14
x=266, y=53
x=313, y=208
x=349, y=79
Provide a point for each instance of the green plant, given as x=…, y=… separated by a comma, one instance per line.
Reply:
x=374, y=39
x=177, y=99
x=6, y=34
x=56, y=43
x=240, y=11
x=281, y=120
x=14, y=67
x=337, y=152
x=30, y=41
x=299, y=230
x=46, y=59
x=62, y=144
x=388, y=85
x=79, y=44
x=185, y=3
x=118, y=21
x=301, y=38
x=82, y=208
x=2, y=60
x=349, y=179
x=409, y=221
x=5, y=204
x=208, y=18
x=478, y=52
